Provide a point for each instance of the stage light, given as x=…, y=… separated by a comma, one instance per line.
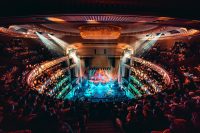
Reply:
x=92, y=21
x=49, y=44
x=73, y=55
x=64, y=45
x=147, y=45
x=139, y=43
x=127, y=53
x=60, y=42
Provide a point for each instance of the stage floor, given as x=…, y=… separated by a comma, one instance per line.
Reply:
x=109, y=90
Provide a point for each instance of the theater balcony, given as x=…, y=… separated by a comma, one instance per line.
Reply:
x=113, y=66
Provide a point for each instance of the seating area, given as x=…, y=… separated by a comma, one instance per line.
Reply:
x=174, y=109
x=116, y=66
x=181, y=61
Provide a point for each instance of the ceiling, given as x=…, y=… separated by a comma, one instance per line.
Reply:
x=133, y=29
x=171, y=8
x=129, y=25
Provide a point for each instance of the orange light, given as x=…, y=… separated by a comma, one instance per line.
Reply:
x=101, y=32
x=92, y=22
x=57, y=20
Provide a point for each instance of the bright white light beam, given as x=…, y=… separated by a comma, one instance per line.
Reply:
x=49, y=44
x=147, y=45
x=60, y=42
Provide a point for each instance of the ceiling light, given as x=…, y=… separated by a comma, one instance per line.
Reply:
x=92, y=21
x=56, y=20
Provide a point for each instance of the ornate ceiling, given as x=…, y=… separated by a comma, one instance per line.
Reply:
x=128, y=25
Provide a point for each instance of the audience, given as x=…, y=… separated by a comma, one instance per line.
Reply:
x=173, y=110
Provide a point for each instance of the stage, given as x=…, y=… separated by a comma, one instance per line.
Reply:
x=100, y=86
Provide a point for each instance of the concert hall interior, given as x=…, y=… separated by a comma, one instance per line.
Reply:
x=115, y=66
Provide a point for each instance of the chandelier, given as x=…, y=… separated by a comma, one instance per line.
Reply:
x=100, y=32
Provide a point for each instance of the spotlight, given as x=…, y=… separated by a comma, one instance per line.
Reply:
x=127, y=52
x=49, y=44
x=92, y=21
x=60, y=42
x=147, y=45
x=72, y=54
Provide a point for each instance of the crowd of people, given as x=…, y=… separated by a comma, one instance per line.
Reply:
x=151, y=82
x=181, y=62
x=173, y=110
